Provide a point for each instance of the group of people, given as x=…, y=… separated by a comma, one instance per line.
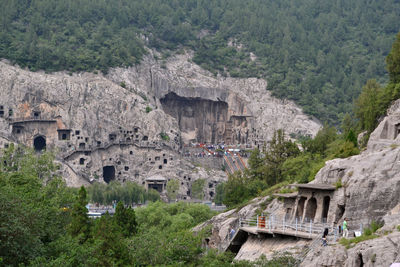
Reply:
x=343, y=230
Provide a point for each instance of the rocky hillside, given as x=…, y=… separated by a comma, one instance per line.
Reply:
x=214, y=109
x=133, y=123
x=363, y=188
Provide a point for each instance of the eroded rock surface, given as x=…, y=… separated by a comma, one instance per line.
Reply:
x=214, y=109
x=131, y=124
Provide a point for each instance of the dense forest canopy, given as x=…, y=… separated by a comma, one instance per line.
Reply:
x=318, y=53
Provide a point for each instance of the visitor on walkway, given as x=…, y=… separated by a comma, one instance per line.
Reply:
x=344, y=228
x=231, y=233
x=324, y=237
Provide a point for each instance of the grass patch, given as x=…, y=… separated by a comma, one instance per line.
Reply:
x=349, y=243
x=273, y=189
x=339, y=184
x=164, y=136
x=369, y=233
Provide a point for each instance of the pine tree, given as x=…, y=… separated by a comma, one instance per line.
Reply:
x=80, y=225
x=125, y=219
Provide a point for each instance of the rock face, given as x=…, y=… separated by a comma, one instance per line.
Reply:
x=132, y=123
x=377, y=252
x=214, y=109
x=371, y=180
x=362, y=188
x=101, y=131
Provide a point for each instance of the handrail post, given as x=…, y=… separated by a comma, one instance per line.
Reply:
x=310, y=226
x=361, y=228
x=296, y=226
x=335, y=233
x=257, y=221
x=283, y=223
x=269, y=223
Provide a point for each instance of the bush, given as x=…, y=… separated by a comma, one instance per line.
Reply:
x=164, y=136
x=122, y=84
x=339, y=184
x=148, y=109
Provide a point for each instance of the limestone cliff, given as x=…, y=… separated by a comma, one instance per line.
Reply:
x=363, y=188
x=214, y=109
x=132, y=123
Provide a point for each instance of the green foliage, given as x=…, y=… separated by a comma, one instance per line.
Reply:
x=339, y=184
x=315, y=53
x=109, y=243
x=239, y=188
x=148, y=109
x=341, y=149
x=302, y=168
x=398, y=227
x=368, y=233
x=219, y=194
x=172, y=189
x=319, y=144
x=129, y=193
x=197, y=188
x=125, y=219
x=31, y=211
x=164, y=236
x=80, y=221
x=367, y=107
x=393, y=61
x=349, y=243
x=122, y=84
x=164, y=136
x=351, y=137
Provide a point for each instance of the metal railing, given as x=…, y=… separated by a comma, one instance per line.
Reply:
x=273, y=223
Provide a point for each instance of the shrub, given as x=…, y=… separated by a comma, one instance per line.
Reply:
x=148, y=109
x=164, y=136
x=339, y=184
x=122, y=84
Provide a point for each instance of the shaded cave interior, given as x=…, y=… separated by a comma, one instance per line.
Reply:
x=205, y=121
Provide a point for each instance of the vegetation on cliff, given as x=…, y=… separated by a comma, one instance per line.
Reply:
x=281, y=162
x=317, y=53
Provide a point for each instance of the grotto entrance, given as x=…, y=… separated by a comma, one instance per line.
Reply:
x=325, y=210
x=300, y=208
x=108, y=173
x=39, y=143
x=200, y=119
x=311, y=209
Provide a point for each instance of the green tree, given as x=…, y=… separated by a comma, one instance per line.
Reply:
x=80, y=225
x=367, y=108
x=126, y=219
x=279, y=150
x=393, y=61
x=172, y=189
x=197, y=188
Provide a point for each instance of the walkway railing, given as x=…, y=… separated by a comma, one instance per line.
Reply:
x=273, y=223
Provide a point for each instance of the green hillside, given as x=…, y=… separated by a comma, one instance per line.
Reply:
x=317, y=53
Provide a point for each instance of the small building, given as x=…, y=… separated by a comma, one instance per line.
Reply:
x=311, y=202
x=156, y=182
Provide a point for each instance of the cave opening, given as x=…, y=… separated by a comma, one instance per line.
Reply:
x=325, y=209
x=39, y=143
x=311, y=209
x=300, y=208
x=200, y=119
x=108, y=173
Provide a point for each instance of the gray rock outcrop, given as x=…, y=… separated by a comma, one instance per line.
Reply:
x=217, y=108
x=132, y=123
